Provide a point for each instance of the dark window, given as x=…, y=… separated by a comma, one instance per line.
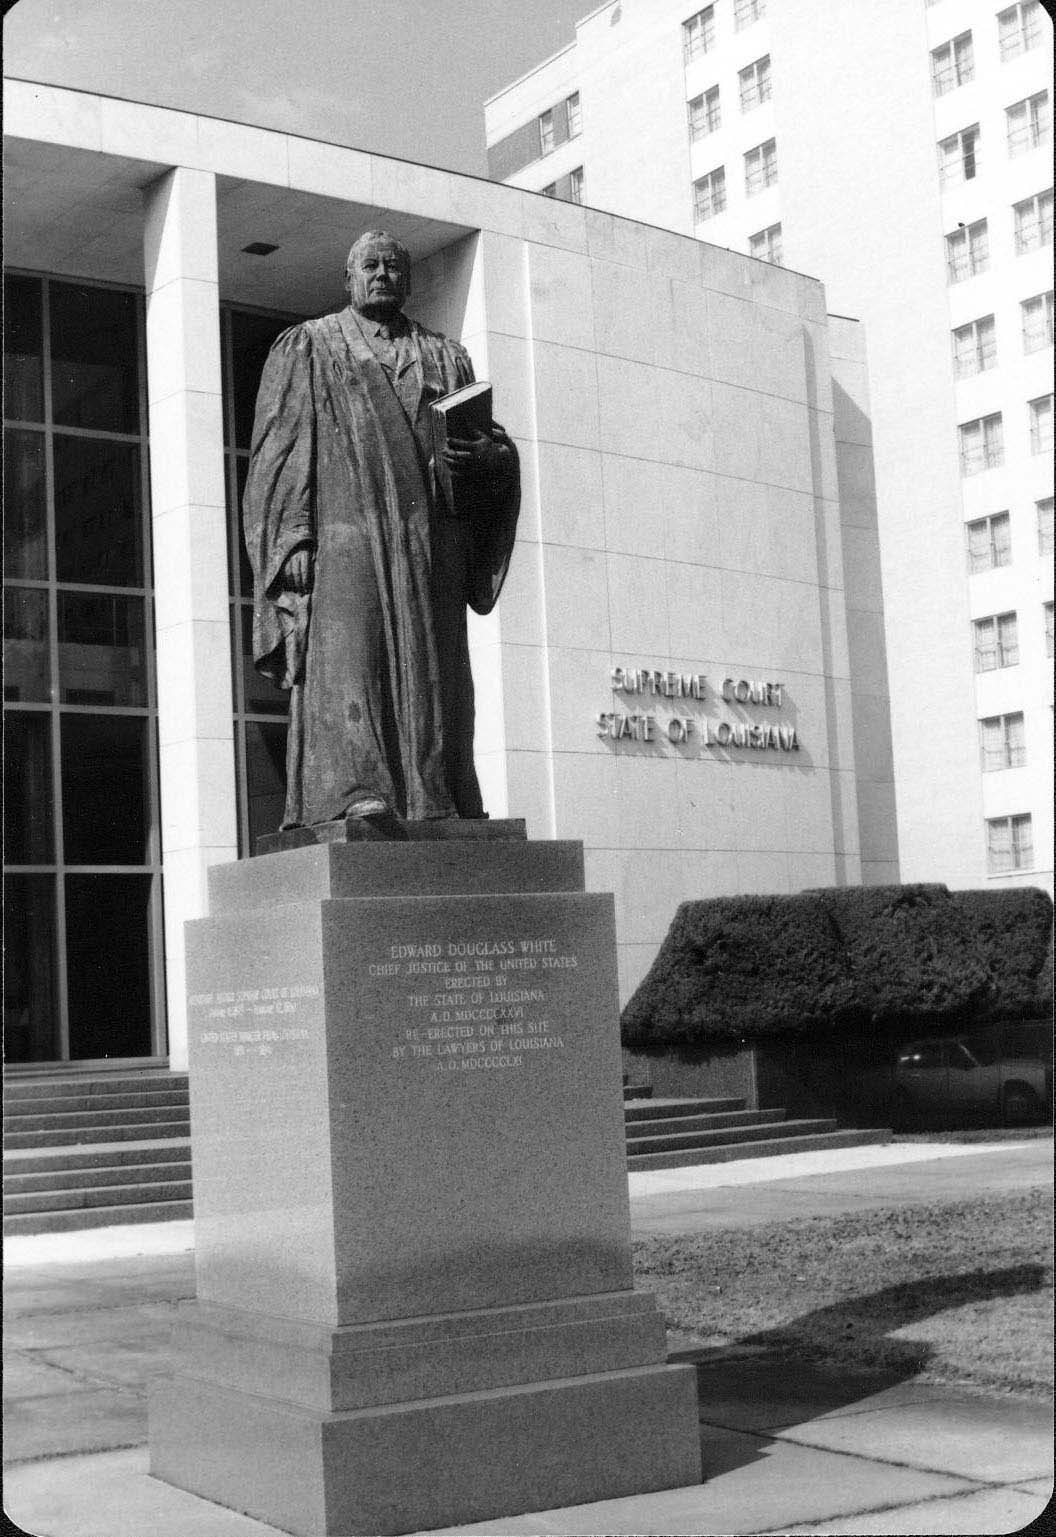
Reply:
x=94, y=372
x=102, y=654
x=27, y=797
x=104, y=789
x=27, y=653
x=25, y=506
x=261, y=697
x=108, y=964
x=23, y=360
x=31, y=1016
x=265, y=776
x=84, y=957
x=98, y=512
x=260, y=740
x=251, y=339
x=240, y=563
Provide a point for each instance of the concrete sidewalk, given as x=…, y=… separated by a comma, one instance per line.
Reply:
x=786, y=1448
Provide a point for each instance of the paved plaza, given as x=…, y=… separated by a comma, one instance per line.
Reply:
x=787, y=1448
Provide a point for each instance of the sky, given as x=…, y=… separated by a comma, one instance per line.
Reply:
x=401, y=77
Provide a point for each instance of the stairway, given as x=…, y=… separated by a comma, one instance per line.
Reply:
x=675, y=1133
x=85, y=1152
x=90, y=1151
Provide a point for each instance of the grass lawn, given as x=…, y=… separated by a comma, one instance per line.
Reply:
x=958, y=1292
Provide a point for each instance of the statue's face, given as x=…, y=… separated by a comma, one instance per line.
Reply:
x=378, y=278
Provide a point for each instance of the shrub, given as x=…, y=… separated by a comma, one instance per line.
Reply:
x=1012, y=926
x=737, y=969
x=912, y=954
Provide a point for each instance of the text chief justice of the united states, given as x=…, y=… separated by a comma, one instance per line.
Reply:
x=362, y=574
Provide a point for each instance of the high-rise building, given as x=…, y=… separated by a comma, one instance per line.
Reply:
x=901, y=153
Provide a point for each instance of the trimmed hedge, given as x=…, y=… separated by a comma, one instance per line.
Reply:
x=1013, y=935
x=736, y=968
x=845, y=961
x=911, y=951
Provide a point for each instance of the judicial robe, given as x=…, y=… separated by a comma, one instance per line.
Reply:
x=376, y=657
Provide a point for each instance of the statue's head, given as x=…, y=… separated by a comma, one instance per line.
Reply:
x=378, y=275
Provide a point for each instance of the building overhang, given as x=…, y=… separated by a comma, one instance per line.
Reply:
x=77, y=167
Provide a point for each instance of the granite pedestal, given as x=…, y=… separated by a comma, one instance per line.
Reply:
x=414, y=1301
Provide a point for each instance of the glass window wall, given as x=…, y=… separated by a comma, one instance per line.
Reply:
x=83, y=910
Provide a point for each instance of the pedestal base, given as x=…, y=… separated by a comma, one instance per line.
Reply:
x=415, y=1291
x=433, y=1462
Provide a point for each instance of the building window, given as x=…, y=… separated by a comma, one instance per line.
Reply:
x=550, y=190
x=573, y=115
x=1037, y=322
x=747, y=11
x=1047, y=614
x=82, y=846
x=1040, y=424
x=974, y=347
x=1044, y=512
x=709, y=194
x=1009, y=844
x=698, y=34
x=1019, y=28
x=546, y=132
x=760, y=167
x=996, y=642
x=704, y=114
x=1033, y=222
x=982, y=444
x=1028, y=123
x=967, y=251
x=575, y=185
x=766, y=245
x=953, y=64
x=755, y=83
x=1002, y=741
x=959, y=156
x=989, y=542
x=260, y=710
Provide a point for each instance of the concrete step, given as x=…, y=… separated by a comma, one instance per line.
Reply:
x=66, y=1178
x=98, y=1155
x=646, y=1110
x=67, y=1104
x=95, y=1216
x=753, y=1131
x=70, y=1137
x=637, y=1091
x=97, y=1119
x=73, y=1085
x=769, y=1148
x=104, y=1195
x=692, y=1123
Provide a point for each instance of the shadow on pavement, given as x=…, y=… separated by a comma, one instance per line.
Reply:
x=830, y=1360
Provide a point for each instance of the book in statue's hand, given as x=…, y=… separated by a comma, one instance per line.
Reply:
x=458, y=415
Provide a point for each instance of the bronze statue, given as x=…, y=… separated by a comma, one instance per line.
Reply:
x=362, y=572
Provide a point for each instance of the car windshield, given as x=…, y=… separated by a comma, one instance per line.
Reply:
x=983, y=1048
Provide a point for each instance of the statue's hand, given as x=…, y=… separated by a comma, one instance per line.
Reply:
x=485, y=453
x=297, y=573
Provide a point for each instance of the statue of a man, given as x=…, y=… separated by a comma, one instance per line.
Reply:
x=362, y=573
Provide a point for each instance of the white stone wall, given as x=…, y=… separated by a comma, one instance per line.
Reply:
x=673, y=411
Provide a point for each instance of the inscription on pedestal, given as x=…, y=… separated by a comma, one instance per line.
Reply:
x=474, y=1004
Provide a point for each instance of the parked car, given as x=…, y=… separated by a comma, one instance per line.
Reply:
x=1002, y=1072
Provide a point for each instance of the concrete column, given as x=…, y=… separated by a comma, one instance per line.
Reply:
x=195, y=731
